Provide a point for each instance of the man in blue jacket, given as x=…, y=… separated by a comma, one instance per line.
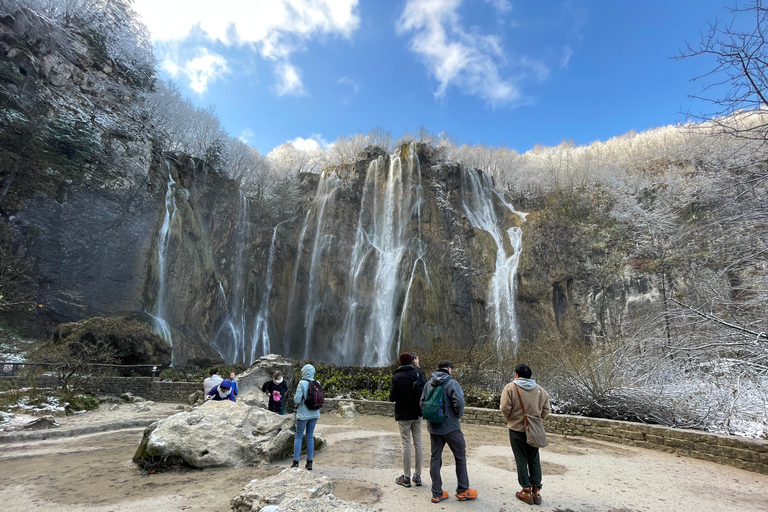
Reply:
x=448, y=432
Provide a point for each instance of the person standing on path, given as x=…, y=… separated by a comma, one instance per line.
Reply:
x=535, y=400
x=405, y=390
x=305, y=418
x=447, y=432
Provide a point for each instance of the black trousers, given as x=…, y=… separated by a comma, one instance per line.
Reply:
x=455, y=441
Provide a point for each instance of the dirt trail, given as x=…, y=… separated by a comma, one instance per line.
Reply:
x=94, y=473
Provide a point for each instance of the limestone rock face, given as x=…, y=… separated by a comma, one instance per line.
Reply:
x=220, y=434
x=292, y=490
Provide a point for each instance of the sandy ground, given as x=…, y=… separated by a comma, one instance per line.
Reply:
x=94, y=473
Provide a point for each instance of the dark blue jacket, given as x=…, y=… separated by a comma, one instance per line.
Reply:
x=214, y=393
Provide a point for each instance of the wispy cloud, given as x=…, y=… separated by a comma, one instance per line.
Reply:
x=202, y=70
x=566, y=58
x=288, y=80
x=350, y=88
x=467, y=60
x=502, y=6
x=246, y=135
x=275, y=28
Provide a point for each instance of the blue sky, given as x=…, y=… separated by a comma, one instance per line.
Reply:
x=497, y=72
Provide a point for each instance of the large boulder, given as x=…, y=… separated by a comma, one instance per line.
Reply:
x=219, y=434
x=249, y=382
x=293, y=490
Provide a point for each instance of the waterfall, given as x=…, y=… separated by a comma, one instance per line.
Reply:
x=323, y=241
x=229, y=340
x=477, y=195
x=261, y=323
x=291, y=304
x=161, y=326
x=381, y=241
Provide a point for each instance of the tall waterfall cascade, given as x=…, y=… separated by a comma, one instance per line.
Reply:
x=478, y=195
x=230, y=339
x=161, y=326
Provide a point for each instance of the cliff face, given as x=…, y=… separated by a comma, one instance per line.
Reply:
x=83, y=194
x=387, y=255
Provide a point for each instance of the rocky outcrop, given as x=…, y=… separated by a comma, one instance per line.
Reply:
x=250, y=382
x=292, y=490
x=129, y=341
x=220, y=434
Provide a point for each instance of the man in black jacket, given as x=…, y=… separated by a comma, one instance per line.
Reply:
x=407, y=383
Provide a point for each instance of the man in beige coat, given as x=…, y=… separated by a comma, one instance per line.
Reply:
x=536, y=403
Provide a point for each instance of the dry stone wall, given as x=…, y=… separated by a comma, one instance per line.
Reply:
x=743, y=453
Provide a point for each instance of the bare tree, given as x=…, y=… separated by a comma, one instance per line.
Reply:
x=737, y=86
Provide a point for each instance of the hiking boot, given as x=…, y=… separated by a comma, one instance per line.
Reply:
x=308, y=465
x=468, y=494
x=403, y=480
x=525, y=495
x=536, y=496
x=294, y=464
x=416, y=479
x=438, y=499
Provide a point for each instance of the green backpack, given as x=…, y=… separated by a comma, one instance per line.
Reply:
x=433, y=408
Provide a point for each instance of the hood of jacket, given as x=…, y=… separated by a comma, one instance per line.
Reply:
x=439, y=377
x=308, y=372
x=527, y=384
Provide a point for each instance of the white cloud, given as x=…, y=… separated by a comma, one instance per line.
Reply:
x=288, y=80
x=503, y=6
x=314, y=142
x=456, y=57
x=201, y=70
x=246, y=135
x=276, y=28
x=566, y=58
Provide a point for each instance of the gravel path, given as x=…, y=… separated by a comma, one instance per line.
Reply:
x=94, y=473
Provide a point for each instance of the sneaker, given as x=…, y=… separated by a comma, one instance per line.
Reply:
x=469, y=494
x=295, y=464
x=438, y=499
x=403, y=480
x=525, y=495
x=308, y=465
x=535, y=491
x=416, y=479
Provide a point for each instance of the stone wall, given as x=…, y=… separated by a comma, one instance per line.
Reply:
x=145, y=387
x=743, y=453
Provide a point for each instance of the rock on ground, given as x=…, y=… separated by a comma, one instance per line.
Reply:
x=347, y=410
x=219, y=434
x=294, y=490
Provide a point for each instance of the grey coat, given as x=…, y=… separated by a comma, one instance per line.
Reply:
x=453, y=401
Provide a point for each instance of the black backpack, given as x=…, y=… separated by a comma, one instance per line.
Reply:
x=315, y=397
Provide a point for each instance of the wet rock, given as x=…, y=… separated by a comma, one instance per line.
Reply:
x=347, y=410
x=114, y=407
x=293, y=490
x=42, y=423
x=220, y=434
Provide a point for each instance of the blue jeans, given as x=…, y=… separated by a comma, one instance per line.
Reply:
x=310, y=426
